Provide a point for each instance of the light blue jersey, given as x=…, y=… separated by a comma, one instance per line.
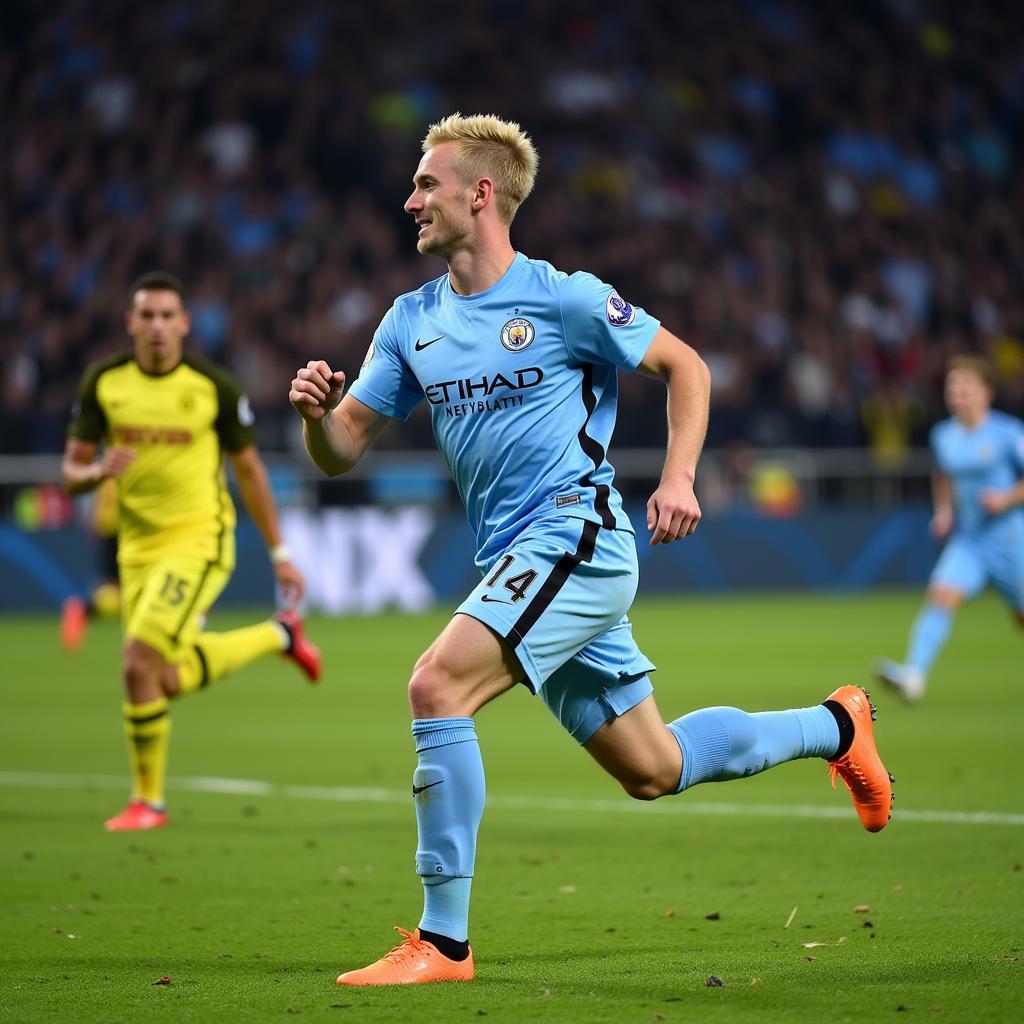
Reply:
x=989, y=456
x=522, y=388
x=984, y=548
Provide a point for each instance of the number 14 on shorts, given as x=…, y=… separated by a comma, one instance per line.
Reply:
x=518, y=584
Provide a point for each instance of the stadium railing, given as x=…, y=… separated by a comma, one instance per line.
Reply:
x=811, y=477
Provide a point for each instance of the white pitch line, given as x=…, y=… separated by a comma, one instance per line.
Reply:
x=351, y=794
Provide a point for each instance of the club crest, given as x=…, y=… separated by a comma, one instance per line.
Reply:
x=619, y=312
x=517, y=334
x=369, y=353
x=245, y=413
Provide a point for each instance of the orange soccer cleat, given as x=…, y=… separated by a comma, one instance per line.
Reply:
x=74, y=617
x=860, y=767
x=138, y=815
x=413, y=962
x=302, y=650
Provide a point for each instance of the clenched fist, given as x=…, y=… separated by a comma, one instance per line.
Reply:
x=316, y=390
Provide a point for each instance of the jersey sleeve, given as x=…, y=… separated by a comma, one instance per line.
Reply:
x=235, y=424
x=88, y=420
x=1016, y=433
x=385, y=382
x=600, y=326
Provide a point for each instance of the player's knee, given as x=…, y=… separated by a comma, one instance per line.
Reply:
x=649, y=780
x=646, y=787
x=945, y=598
x=433, y=691
x=142, y=669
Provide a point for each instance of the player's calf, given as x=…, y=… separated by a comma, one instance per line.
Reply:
x=639, y=752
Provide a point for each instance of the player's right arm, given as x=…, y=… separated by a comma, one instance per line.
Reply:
x=81, y=471
x=337, y=428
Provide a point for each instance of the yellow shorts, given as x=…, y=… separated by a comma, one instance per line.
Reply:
x=162, y=603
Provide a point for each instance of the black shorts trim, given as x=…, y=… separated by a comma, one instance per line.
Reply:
x=191, y=605
x=204, y=678
x=553, y=584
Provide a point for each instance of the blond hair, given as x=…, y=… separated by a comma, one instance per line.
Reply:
x=978, y=365
x=488, y=147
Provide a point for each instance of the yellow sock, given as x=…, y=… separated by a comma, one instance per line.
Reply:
x=216, y=655
x=148, y=728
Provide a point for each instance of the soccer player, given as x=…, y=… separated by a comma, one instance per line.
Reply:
x=977, y=493
x=166, y=419
x=518, y=364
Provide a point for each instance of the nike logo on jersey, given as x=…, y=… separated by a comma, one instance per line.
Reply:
x=416, y=790
x=491, y=600
x=421, y=345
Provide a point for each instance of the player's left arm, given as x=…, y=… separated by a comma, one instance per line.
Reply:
x=254, y=485
x=673, y=511
x=995, y=502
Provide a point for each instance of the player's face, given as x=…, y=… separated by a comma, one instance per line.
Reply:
x=158, y=324
x=440, y=203
x=967, y=395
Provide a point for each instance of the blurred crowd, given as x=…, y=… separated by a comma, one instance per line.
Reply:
x=826, y=200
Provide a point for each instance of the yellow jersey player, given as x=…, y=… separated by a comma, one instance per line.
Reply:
x=166, y=420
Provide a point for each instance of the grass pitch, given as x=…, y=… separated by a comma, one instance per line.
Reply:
x=290, y=851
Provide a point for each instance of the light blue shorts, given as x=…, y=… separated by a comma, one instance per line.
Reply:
x=968, y=563
x=559, y=596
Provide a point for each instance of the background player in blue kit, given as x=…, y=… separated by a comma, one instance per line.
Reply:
x=518, y=364
x=978, y=492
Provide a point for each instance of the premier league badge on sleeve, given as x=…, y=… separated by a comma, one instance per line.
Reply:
x=517, y=334
x=619, y=312
x=245, y=413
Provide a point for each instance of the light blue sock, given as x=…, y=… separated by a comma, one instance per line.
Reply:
x=448, y=787
x=928, y=635
x=726, y=743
